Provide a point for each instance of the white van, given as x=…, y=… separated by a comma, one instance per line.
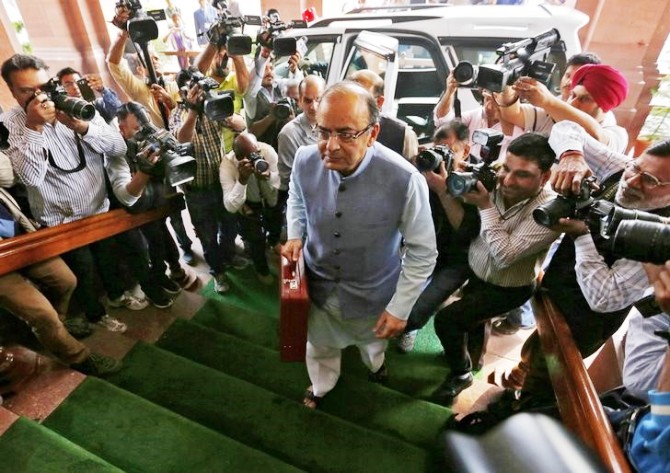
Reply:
x=415, y=49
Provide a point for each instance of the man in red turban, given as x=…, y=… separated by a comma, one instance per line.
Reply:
x=596, y=90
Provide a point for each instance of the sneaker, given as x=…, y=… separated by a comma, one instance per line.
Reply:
x=186, y=278
x=406, y=341
x=265, y=279
x=98, y=365
x=111, y=324
x=129, y=302
x=188, y=257
x=239, y=262
x=221, y=283
x=160, y=299
x=170, y=286
x=78, y=327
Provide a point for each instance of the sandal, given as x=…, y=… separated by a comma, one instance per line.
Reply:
x=310, y=400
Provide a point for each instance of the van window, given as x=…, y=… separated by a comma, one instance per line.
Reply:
x=316, y=61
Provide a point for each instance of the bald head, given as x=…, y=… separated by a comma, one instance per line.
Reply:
x=371, y=82
x=352, y=90
x=244, y=145
x=310, y=91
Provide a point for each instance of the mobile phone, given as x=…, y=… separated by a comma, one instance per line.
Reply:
x=85, y=90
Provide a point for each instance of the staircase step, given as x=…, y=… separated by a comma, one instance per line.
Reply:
x=311, y=440
x=246, y=324
x=29, y=447
x=140, y=436
x=416, y=374
x=409, y=419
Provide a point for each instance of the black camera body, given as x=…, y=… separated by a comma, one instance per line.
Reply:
x=490, y=141
x=256, y=159
x=573, y=206
x=429, y=159
x=272, y=38
x=76, y=108
x=228, y=31
x=175, y=162
x=523, y=58
x=284, y=108
x=4, y=137
x=218, y=105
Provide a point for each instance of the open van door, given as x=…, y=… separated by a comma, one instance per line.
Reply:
x=378, y=53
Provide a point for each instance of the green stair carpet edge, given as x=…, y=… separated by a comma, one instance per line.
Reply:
x=140, y=436
x=247, y=292
x=409, y=419
x=28, y=447
x=246, y=324
x=311, y=440
x=416, y=374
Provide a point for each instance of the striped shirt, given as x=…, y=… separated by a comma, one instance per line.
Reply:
x=56, y=196
x=510, y=245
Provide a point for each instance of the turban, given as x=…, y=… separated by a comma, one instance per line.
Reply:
x=607, y=86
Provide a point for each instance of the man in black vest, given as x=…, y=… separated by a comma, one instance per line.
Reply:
x=394, y=134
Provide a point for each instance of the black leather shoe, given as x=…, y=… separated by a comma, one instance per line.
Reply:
x=380, y=376
x=452, y=387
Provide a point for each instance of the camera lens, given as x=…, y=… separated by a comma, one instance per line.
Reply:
x=458, y=183
x=548, y=214
x=464, y=73
x=76, y=108
x=428, y=160
x=644, y=241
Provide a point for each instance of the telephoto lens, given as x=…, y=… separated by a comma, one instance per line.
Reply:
x=644, y=241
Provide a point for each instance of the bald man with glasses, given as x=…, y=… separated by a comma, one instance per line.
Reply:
x=351, y=203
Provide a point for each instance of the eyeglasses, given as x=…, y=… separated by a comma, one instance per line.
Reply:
x=323, y=134
x=648, y=180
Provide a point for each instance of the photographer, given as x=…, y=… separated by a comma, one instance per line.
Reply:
x=138, y=185
x=159, y=99
x=592, y=286
x=596, y=89
x=214, y=225
x=60, y=160
x=486, y=116
x=456, y=224
x=250, y=179
x=265, y=117
x=108, y=102
x=502, y=258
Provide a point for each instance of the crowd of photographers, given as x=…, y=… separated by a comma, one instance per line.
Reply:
x=529, y=180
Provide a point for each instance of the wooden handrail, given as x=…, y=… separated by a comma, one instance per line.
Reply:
x=577, y=398
x=31, y=248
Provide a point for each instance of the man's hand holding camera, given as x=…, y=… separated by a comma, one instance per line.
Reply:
x=437, y=179
x=161, y=95
x=79, y=126
x=478, y=197
x=246, y=169
x=39, y=111
x=121, y=17
x=571, y=171
x=534, y=91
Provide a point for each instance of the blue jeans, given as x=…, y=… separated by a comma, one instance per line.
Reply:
x=214, y=225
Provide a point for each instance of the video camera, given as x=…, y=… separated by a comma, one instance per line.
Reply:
x=76, y=108
x=218, y=105
x=459, y=183
x=523, y=58
x=141, y=27
x=573, y=206
x=271, y=37
x=430, y=159
x=228, y=31
x=284, y=108
x=175, y=162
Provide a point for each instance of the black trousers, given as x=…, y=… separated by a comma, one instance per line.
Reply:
x=463, y=321
x=260, y=224
x=161, y=246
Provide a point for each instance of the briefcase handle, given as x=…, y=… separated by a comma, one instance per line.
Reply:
x=291, y=271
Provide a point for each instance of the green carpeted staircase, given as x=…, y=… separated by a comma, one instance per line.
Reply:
x=212, y=396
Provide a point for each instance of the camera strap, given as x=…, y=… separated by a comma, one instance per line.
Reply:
x=82, y=158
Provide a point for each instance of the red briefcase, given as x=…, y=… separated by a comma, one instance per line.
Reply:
x=294, y=310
